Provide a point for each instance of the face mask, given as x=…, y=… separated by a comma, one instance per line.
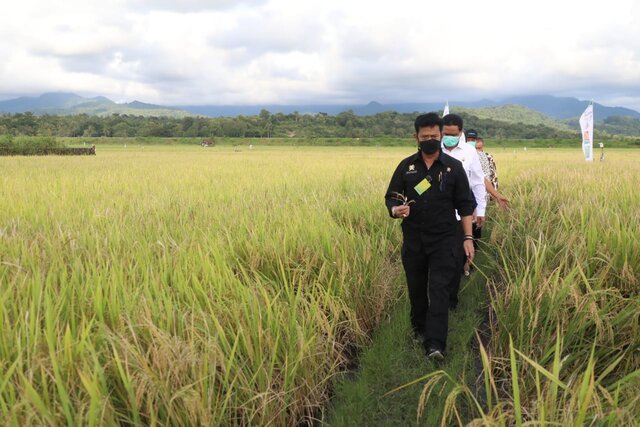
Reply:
x=473, y=144
x=450, y=141
x=429, y=146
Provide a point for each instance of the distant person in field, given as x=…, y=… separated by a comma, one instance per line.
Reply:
x=451, y=132
x=425, y=191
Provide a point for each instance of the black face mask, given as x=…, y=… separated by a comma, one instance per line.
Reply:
x=429, y=146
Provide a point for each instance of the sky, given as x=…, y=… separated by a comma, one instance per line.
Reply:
x=251, y=52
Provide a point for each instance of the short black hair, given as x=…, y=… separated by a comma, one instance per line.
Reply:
x=428, y=120
x=453, y=119
x=471, y=133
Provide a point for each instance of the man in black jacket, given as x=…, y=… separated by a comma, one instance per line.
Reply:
x=425, y=191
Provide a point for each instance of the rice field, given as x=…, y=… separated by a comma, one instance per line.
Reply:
x=181, y=286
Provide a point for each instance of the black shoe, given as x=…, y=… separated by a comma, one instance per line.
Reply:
x=434, y=353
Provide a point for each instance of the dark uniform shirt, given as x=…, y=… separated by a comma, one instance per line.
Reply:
x=433, y=212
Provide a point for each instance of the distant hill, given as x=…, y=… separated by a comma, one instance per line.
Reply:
x=567, y=108
x=554, y=112
x=553, y=107
x=519, y=123
x=369, y=109
x=72, y=104
x=253, y=110
x=45, y=101
x=512, y=113
x=613, y=125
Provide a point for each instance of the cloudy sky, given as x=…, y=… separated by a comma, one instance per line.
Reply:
x=321, y=51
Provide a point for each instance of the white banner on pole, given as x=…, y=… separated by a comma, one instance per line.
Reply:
x=446, y=109
x=586, y=125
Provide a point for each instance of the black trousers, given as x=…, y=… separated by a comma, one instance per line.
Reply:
x=454, y=285
x=429, y=267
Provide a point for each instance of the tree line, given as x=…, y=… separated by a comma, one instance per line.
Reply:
x=264, y=125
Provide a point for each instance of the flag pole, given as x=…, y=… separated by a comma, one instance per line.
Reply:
x=594, y=123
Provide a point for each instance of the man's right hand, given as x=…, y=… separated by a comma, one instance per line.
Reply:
x=401, y=211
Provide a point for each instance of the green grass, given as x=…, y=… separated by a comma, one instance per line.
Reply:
x=24, y=145
x=565, y=307
x=383, y=391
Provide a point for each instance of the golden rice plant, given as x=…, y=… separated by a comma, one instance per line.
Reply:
x=188, y=286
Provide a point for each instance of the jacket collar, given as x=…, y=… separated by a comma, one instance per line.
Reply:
x=443, y=158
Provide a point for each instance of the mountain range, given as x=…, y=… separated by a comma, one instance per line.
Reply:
x=71, y=104
x=551, y=106
x=538, y=109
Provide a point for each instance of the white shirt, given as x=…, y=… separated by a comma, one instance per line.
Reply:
x=471, y=164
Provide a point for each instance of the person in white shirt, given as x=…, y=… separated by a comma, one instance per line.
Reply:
x=466, y=154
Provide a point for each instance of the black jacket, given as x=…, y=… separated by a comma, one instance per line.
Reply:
x=444, y=188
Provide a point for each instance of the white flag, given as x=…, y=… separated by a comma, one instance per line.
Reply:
x=446, y=109
x=586, y=125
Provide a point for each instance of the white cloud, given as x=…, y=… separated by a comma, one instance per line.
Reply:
x=282, y=51
x=183, y=6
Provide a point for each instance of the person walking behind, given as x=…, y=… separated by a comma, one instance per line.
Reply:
x=489, y=168
x=451, y=131
x=425, y=191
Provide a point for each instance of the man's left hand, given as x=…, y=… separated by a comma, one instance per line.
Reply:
x=479, y=221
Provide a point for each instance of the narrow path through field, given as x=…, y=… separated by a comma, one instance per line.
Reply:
x=393, y=360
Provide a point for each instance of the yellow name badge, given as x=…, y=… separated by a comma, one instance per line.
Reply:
x=422, y=187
